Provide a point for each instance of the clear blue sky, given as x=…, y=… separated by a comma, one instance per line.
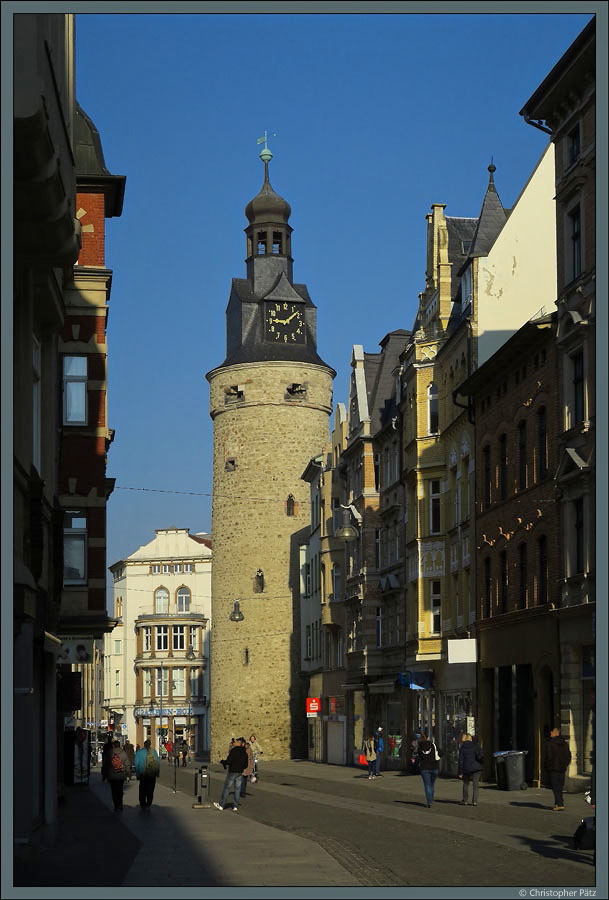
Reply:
x=377, y=117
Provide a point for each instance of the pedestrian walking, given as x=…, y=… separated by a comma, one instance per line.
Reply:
x=114, y=770
x=557, y=757
x=249, y=769
x=429, y=765
x=379, y=749
x=147, y=770
x=236, y=763
x=169, y=749
x=130, y=751
x=370, y=754
x=469, y=767
x=184, y=753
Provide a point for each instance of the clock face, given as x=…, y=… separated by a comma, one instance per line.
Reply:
x=284, y=323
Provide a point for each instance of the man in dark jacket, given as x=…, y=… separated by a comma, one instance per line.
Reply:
x=235, y=762
x=469, y=767
x=557, y=759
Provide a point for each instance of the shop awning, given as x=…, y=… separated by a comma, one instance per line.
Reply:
x=417, y=681
x=383, y=686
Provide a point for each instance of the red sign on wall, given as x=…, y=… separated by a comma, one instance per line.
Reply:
x=313, y=706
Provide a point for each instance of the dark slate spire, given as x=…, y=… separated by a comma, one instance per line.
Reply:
x=491, y=220
x=267, y=206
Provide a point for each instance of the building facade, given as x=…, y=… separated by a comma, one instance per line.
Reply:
x=517, y=539
x=322, y=603
x=270, y=401
x=564, y=107
x=60, y=431
x=157, y=657
x=374, y=551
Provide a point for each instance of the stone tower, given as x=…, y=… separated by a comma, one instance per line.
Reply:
x=270, y=402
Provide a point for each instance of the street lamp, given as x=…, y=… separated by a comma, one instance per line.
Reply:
x=190, y=656
x=347, y=531
x=236, y=615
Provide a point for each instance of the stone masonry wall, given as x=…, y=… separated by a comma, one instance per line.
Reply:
x=263, y=439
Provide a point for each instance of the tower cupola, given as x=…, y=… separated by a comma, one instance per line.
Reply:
x=268, y=233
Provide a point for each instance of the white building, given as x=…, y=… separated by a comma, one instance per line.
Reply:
x=157, y=657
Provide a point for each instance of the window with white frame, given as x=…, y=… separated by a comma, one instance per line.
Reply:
x=395, y=462
x=162, y=637
x=337, y=582
x=336, y=514
x=436, y=607
x=573, y=145
x=166, y=569
x=75, y=390
x=433, y=408
x=194, y=679
x=147, y=638
x=161, y=600
x=75, y=547
x=434, y=506
x=308, y=579
x=179, y=682
x=162, y=681
x=155, y=569
x=179, y=637
x=192, y=637
x=183, y=600
x=146, y=683
x=379, y=626
x=36, y=403
x=577, y=405
x=117, y=646
x=177, y=568
x=188, y=567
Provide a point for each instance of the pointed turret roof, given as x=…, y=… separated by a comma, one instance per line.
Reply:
x=491, y=220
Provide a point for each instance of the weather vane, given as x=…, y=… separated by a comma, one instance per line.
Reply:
x=265, y=153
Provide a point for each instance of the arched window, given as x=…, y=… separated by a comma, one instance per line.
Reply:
x=542, y=443
x=290, y=505
x=522, y=455
x=523, y=586
x=542, y=575
x=161, y=600
x=432, y=398
x=183, y=599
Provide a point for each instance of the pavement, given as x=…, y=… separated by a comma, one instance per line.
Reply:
x=175, y=845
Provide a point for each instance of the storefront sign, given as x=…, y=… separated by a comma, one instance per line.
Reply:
x=75, y=649
x=155, y=711
x=462, y=650
x=313, y=706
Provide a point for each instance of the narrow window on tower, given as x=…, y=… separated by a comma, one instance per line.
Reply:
x=230, y=465
x=277, y=242
x=290, y=505
x=261, y=243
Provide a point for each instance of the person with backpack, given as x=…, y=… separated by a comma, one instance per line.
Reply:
x=429, y=765
x=147, y=770
x=114, y=770
x=469, y=767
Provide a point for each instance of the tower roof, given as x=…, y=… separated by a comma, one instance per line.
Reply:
x=267, y=205
x=91, y=171
x=491, y=220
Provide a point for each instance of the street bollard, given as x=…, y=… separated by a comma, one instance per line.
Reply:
x=202, y=787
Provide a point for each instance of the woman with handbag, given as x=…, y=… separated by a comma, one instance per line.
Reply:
x=429, y=766
x=370, y=755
